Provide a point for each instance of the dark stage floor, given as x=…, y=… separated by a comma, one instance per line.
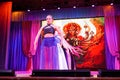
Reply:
x=59, y=78
x=60, y=75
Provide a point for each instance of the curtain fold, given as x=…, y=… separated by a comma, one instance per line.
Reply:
x=110, y=59
x=5, y=18
x=111, y=35
x=34, y=30
x=26, y=37
x=17, y=60
x=117, y=20
x=22, y=36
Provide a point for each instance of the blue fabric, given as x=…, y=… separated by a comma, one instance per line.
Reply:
x=49, y=54
x=49, y=41
x=16, y=57
x=110, y=60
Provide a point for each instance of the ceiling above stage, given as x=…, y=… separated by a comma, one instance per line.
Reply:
x=54, y=4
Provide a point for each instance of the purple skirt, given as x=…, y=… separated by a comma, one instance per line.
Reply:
x=49, y=54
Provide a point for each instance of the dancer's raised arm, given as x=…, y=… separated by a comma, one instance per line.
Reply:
x=36, y=40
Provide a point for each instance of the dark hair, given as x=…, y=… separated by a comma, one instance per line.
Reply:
x=50, y=15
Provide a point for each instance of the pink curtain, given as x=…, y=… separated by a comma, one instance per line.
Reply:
x=5, y=18
x=111, y=35
x=34, y=30
x=117, y=20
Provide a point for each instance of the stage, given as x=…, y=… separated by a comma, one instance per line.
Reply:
x=51, y=75
x=59, y=78
x=92, y=32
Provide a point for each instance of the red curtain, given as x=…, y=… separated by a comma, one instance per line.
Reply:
x=34, y=30
x=5, y=18
x=117, y=20
x=29, y=32
x=26, y=39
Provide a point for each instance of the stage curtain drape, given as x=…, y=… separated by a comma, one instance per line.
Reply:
x=111, y=36
x=5, y=18
x=29, y=32
x=26, y=37
x=34, y=30
x=17, y=59
x=22, y=36
x=117, y=20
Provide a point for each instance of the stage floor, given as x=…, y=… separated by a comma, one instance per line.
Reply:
x=59, y=78
x=27, y=75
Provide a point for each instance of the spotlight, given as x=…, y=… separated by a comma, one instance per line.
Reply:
x=111, y=4
x=43, y=9
x=58, y=8
x=93, y=5
x=28, y=10
x=74, y=6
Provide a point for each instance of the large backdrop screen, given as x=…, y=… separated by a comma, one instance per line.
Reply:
x=88, y=35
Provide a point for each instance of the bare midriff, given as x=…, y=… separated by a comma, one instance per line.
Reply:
x=49, y=35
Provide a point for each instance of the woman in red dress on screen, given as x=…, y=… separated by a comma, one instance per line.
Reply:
x=52, y=55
